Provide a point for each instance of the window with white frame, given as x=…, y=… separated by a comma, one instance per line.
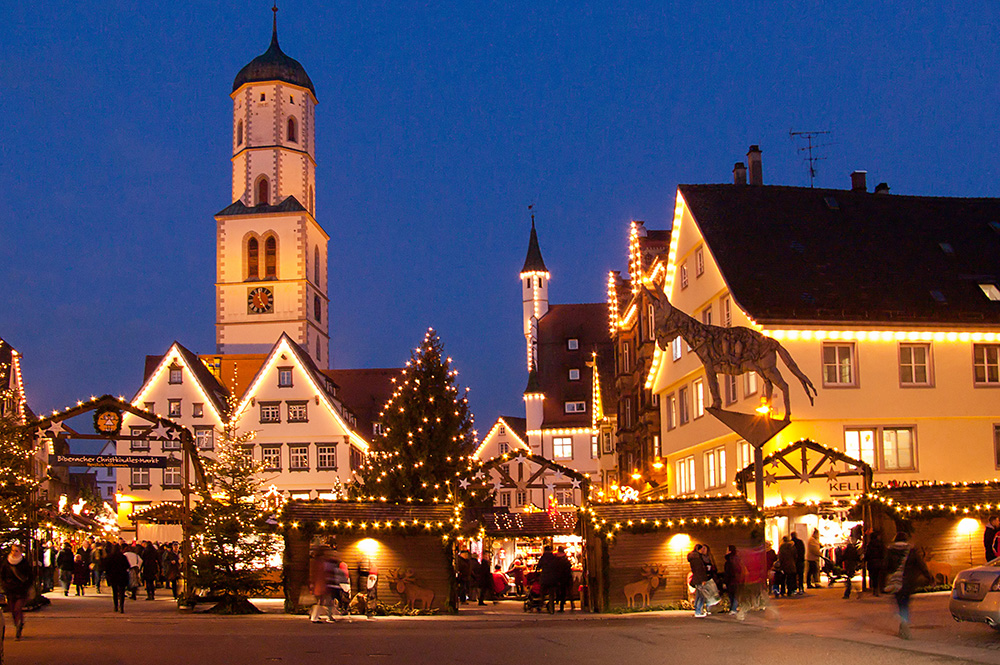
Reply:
x=744, y=454
x=298, y=458
x=574, y=375
x=176, y=375
x=897, y=449
x=657, y=446
x=626, y=360
x=683, y=412
x=996, y=445
x=326, y=456
x=564, y=497
x=270, y=457
x=575, y=407
x=729, y=381
x=172, y=476
x=594, y=447
x=270, y=412
x=726, y=306
x=143, y=444
x=521, y=498
x=986, y=364
x=505, y=499
x=607, y=443
x=684, y=275
x=699, y=262
x=204, y=438
x=839, y=364
x=715, y=467
x=298, y=412
x=915, y=364
x=197, y=410
x=503, y=447
x=284, y=377
x=675, y=348
x=671, y=411
x=627, y=412
x=686, y=475
x=174, y=408
x=860, y=444
x=169, y=444
x=650, y=322
x=750, y=384
x=699, y=398
x=562, y=447
x=140, y=478
x=572, y=343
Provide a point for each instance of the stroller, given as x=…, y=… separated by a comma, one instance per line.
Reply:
x=834, y=572
x=533, y=585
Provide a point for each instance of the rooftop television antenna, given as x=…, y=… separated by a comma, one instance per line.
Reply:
x=810, y=157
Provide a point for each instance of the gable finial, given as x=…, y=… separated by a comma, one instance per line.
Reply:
x=532, y=214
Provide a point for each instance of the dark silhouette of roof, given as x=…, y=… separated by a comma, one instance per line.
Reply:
x=290, y=204
x=674, y=509
x=274, y=65
x=513, y=524
x=796, y=254
x=533, y=261
x=517, y=425
x=364, y=392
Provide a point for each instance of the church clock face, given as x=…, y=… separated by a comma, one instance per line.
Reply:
x=260, y=301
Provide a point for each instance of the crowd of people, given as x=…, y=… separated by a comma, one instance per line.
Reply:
x=550, y=582
x=752, y=575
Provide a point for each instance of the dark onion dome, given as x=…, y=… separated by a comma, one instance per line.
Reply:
x=274, y=65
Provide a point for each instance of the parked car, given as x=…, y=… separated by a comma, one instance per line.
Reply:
x=975, y=595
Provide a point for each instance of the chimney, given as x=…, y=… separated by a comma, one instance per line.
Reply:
x=739, y=174
x=882, y=188
x=858, y=183
x=753, y=159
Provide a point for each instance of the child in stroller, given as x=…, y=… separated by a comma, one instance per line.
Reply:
x=533, y=585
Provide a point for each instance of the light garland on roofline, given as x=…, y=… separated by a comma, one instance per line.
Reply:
x=935, y=509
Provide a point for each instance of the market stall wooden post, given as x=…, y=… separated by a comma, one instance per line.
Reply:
x=637, y=552
x=409, y=547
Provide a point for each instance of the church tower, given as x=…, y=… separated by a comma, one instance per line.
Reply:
x=271, y=253
x=534, y=295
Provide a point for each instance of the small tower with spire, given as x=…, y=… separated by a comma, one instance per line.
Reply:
x=534, y=293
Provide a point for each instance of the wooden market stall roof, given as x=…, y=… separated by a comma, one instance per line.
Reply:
x=709, y=511
x=940, y=498
x=374, y=515
x=500, y=524
x=166, y=512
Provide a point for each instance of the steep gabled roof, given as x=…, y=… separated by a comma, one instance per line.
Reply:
x=533, y=261
x=237, y=207
x=216, y=393
x=365, y=392
x=519, y=426
x=796, y=254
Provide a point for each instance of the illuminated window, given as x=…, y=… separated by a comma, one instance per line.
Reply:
x=626, y=360
x=284, y=377
x=298, y=412
x=293, y=130
x=686, y=475
x=986, y=363
x=684, y=276
x=270, y=412
x=715, y=467
x=326, y=456
x=263, y=191
x=683, y=412
x=726, y=305
x=675, y=349
x=750, y=387
x=298, y=458
x=650, y=322
x=897, y=449
x=562, y=447
x=564, y=497
x=657, y=446
x=149, y=406
x=671, y=411
x=996, y=445
x=176, y=375
x=915, y=364
x=270, y=258
x=860, y=444
x=607, y=447
x=575, y=407
x=239, y=133
x=171, y=477
x=699, y=262
x=174, y=408
x=270, y=457
x=253, y=259
x=572, y=344
x=838, y=365
x=595, y=448
x=204, y=438
x=140, y=479
x=744, y=454
x=197, y=410
x=699, y=398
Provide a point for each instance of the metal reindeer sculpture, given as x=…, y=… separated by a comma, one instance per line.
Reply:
x=734, y=350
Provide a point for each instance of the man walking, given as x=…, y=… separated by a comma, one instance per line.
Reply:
x=699, y=575
x=800, y=562
x=64, y=562
x=850, y=562
x=989, y=537
x=813, y=551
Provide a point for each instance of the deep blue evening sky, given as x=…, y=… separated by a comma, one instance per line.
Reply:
x=438, y=124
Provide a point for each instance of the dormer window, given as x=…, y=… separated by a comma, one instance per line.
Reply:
x=284, y=377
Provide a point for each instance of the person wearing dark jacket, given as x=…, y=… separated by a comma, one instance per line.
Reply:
x=17, y=579
x=463, y=575
x=64, y=562
x=486, y=580
x=731, y=577
x=81, y=573
x=548, y=578
x=786, y=561
x=800, y=563
x=564, y=576
x=902, y=558
x=116, y=567
x=989, y=537
x=699, y=575
x=850, y=562
x=150, y=569
x=874, y=557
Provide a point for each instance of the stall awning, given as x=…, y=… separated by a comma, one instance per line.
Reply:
x=528, y=525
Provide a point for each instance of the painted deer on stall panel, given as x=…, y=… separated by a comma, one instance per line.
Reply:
x=734, y=350
x=644, y=587
x=405, y=585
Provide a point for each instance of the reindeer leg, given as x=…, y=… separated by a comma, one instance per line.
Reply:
x=713, y=385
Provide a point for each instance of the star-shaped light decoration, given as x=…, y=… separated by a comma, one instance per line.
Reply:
x=497, y=485
x=770, y=478
x=550, y=486
x=575, y=483
x=520, y=459
x=464, y=483
x=774, y=462
x=559, y=475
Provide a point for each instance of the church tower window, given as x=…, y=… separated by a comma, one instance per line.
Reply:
x=263, y=191
x=253, y=259
x=270, y=258
x=239, y=133
x=317, y=309
x=316, y=266
x=293, y=132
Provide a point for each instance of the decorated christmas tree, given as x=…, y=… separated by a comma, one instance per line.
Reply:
x=17, y=482
x=427, y=433
x=235, y=543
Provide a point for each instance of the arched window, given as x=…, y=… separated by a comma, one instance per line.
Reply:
x=317, y=309
x=239, y=133
x=316, y=267
x=263, y=191
x=253, y=259
x=293, y=130
x=312, y=209
x=270, y=258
